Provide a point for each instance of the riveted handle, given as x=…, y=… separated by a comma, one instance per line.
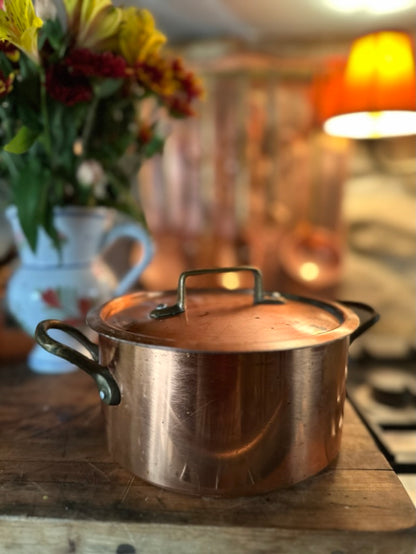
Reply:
x=107, y=386
x=259, y=296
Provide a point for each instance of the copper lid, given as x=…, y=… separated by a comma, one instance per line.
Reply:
x=223, y=321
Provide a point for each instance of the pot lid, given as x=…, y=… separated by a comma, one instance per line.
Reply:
x=223, y=321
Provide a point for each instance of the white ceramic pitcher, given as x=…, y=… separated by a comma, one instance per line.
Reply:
x=65, y=284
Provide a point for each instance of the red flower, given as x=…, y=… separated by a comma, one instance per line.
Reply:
x=83, y=62
x=187, y=90
x=67, y=88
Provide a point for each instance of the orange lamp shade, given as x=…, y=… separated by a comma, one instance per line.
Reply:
x=374, y=95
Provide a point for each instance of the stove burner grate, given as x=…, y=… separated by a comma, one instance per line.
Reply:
x=384, y=396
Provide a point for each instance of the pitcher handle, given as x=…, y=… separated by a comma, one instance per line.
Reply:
x=140, y=235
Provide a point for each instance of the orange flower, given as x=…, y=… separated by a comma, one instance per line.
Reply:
x=6, y=84
x=169, y=79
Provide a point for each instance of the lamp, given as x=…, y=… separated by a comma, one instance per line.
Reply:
x=375, y=94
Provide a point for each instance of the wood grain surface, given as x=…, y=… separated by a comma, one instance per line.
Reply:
x=61, y=493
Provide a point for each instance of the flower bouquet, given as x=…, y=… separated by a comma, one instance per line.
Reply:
x=84, y=86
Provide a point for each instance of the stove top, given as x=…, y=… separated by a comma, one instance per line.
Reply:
x=384, y=395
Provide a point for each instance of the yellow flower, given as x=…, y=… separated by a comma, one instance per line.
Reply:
x=19, y=25
x=138, y=37
x=95, y=23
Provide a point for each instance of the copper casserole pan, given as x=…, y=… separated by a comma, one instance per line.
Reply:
x=220, y=393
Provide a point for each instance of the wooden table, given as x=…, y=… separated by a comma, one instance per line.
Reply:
x=61, y=493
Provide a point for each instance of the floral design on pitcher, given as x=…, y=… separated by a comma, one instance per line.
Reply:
x=72, y=309
x=51, y=298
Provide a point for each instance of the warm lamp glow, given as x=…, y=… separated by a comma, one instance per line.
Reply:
x=375, y=95
x=370, y=6
x=363, y=125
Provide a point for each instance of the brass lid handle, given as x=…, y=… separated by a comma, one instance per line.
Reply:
x=259, y=296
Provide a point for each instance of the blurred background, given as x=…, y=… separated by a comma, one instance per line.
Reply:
x=254, y=179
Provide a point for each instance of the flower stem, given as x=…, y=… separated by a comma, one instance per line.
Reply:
x=45, y=117
x=11, y=166
x=89, y=124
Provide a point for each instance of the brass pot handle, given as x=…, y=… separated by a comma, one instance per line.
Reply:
x=107, y=386
x=259, y=296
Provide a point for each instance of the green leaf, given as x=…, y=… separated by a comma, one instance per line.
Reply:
x=28, y=69
x=29, y=116
x=154, y=146
x=46, y=220
x=30, y=195
x=22, y=141
x=52, y=32
x=5, y=65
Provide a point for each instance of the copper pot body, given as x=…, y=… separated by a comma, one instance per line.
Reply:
x=224, y=394
x=225, y=424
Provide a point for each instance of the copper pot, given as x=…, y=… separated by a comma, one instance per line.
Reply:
x=219, y=393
